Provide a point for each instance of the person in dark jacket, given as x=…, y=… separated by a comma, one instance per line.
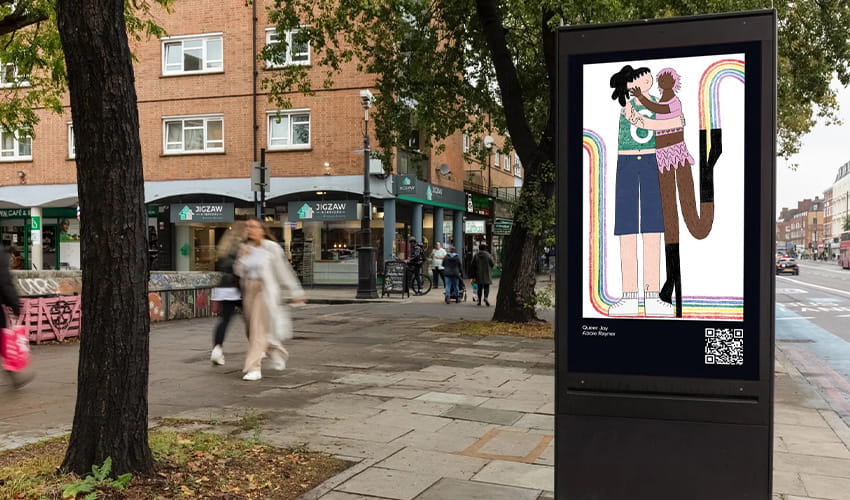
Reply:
x=227, y=293
x=482, y=264
x=452, y=274
x=9, y=298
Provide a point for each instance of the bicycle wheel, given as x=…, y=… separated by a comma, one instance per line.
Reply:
x=426, y=284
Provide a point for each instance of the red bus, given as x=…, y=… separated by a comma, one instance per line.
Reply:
x=844, y=250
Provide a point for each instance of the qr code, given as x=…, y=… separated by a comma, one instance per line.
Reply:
x=724, y=346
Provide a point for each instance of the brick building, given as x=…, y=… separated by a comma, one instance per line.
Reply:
x=204, y=118
x=801, y=229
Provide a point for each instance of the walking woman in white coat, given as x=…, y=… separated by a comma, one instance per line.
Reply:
x=264, y=272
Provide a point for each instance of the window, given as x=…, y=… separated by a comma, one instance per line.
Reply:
x=193, y=134
x=517, y=166
x=14, y=148
x=297, y=49
x=465, y=142
x=192, y=54
x=289, y=129
x=72, y=148
x=9, y=76
x=506, y=162
x=496, y=158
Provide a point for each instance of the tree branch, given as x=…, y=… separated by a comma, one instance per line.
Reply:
x=506, y=74
x=17, y=20
x=547, y=143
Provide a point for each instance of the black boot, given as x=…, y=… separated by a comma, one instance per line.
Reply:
x=666, y=293
x=707, y=160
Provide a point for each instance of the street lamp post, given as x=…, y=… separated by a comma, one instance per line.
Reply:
x=366, y=254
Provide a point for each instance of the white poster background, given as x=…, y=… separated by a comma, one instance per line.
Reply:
x=713, y=266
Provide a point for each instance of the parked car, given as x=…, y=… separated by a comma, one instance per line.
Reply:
x=787, y=266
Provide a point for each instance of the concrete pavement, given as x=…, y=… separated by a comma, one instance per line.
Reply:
x=426, y=415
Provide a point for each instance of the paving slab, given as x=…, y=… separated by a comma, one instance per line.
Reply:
x=414, y=406
x=539, y=477
x=442, y=441
x=513, y=403
x=788, y=483
x=388, y=483
x=339, y=495
x=406, y=420
x=488, y=415
x=441, y=464
x=827, y=487
x=453, y=489
x=365, y=431
x=450, y=398
x=390, y=392
x=536, y=421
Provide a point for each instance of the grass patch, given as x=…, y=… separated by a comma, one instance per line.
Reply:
x=188, y=465
x=535, y=330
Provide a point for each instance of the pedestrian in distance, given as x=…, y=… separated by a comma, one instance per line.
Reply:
x=437, y=256
x=416, y=258
x=482, y=265
x=9, y=298
x=452, y=274
x=264, y=271
x=227, y=293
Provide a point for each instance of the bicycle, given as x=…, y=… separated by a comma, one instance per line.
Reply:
x=420, y=287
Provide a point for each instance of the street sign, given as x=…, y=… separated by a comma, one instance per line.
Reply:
x=503, y=226
x=260, y=181
x=665, y=360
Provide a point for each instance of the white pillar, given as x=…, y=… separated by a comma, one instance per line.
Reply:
x=183, y=244
x=37, y=254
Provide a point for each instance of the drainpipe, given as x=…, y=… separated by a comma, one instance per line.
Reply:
x=254, y=73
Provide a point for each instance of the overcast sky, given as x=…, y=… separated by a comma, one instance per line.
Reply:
x=823, y=151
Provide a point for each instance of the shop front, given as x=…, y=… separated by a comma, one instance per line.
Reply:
x=426, y=211
x=324, y=237
x=55, y=233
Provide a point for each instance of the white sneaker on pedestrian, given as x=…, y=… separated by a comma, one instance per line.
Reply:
x=252, y=376
x=627, y=306
x=654, y=307
x=217, y=356
x=278, y=363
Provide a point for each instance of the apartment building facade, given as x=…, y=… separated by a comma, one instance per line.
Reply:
x=800, y=229
x=205, y=118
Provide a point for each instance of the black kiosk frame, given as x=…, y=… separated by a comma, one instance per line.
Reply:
x=640, y=412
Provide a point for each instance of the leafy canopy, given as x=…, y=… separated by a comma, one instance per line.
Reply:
x=33, y=64
x=434, y=71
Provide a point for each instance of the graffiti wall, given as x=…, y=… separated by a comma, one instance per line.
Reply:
x=52, y=299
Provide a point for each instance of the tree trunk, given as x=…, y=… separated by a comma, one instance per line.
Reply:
x=111, y=415
x=514, y=303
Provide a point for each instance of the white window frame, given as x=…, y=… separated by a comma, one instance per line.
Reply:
x=184, y=118
x=271, y=115
x=16, y=78
x=517, y=166
x=466, y=142
x=16, y=148
x=506, y=162
x=205, y=38
x=72, y=149
x=496, y=160
x=272, y=32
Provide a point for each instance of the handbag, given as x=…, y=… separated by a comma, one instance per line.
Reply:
x=16, y=348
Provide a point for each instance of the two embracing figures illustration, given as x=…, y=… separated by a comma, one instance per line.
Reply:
x=653, y=165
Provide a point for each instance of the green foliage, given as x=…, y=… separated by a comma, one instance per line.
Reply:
x=435, y=73
x=847, y=222
x=29, y=41
x=97, y=481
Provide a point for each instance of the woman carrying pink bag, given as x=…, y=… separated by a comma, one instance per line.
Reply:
x=14, y=341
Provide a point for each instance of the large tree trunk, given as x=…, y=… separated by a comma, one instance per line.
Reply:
x=111, y=416
x=514, y=303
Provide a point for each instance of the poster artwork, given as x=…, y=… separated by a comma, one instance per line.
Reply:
x=664, y=184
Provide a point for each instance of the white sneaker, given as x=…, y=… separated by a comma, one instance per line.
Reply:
x=278, y=363
x=217, y=356
x=627, y=306
x=654, y=307
x=252, y=376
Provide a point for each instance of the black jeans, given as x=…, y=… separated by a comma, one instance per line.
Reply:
x=228, y=307
x=438, y=273
x=485, y=289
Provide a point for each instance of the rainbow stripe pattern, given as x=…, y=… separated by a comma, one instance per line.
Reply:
x=693, y=307
x=709, y=90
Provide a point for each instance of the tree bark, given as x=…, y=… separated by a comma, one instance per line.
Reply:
x=515, y=301
x=111, y=416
